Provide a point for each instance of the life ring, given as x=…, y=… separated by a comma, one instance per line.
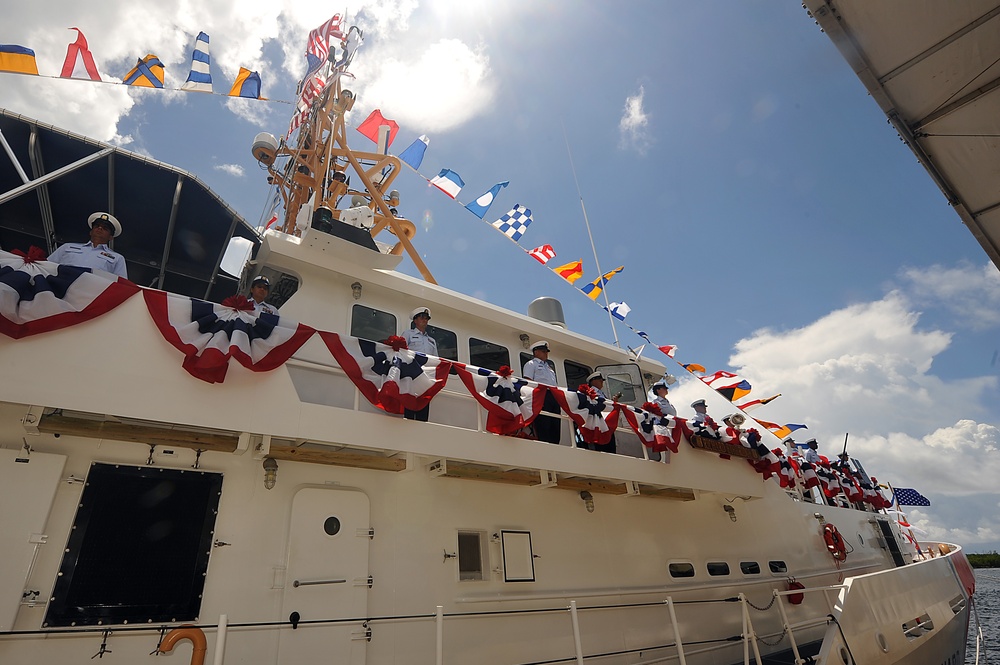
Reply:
x=834, y=542
x=796, y=598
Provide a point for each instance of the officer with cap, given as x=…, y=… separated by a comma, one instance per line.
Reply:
x=95, y=254
x=596, y=381
x=660, y=390
x=811, y=455
x=419, y=340
x=259, y=288
x=539, y=370
x=702, y=423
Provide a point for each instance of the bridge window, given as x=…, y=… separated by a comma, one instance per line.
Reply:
x=487, y=354
x=372, y=324
x=447, y=342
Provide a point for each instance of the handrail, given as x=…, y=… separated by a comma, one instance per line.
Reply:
x=298, y=583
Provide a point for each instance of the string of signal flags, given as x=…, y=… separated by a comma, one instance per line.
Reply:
x=514, y=223
x=148, y=72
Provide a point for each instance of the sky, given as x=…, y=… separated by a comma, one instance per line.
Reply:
x=770, y=221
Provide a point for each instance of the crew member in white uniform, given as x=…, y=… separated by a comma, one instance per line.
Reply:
x=811, y=455
x=538, y=370
x=419, y=340
x=660, y=390
x=596, y=381
x=95, y=254
x=259, y=289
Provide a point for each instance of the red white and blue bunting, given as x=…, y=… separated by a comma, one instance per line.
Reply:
x=38, y=296
x=511, y=404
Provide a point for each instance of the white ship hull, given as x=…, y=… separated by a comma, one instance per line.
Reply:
x=385, y=583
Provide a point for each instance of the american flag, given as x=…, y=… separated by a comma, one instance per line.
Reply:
x=318, y=48
x=910, y=497
x=543, y=254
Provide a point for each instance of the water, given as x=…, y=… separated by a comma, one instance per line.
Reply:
x=987, y=606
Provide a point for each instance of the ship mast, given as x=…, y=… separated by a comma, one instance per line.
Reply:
x=316, y=172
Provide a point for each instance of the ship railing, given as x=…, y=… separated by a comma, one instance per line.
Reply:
x=829, y=594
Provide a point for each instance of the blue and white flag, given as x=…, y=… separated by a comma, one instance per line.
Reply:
x=619, y=310
x=414, y=154
x=200, y=78
x=483, y=203
x=448, y=182
x=515, y=222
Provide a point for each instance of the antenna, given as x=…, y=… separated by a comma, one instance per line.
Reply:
x=604, y=289
x=846, y=434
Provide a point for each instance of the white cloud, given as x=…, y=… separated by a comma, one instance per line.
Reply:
x=232, y=169
x=451, y=80
x=971, y=293
x=634, y=124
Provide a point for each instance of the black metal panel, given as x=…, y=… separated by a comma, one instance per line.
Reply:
x=890, y=542
x=139, y=548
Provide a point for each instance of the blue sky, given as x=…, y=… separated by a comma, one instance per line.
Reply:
x=769, y=219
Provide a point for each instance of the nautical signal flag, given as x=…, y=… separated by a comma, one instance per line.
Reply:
x=483, y=203
x=79, y=63
x=514, y=222
x=18, y=59
x=735, y=391
x=200, y=78
x=375, y=119
x=694, y=367
x=414, y=154
x=147, y=73
x=910, y=497
x=619, y=310
x=757, y=402
x=448, y=182
x=571, y=271
x=595, y=288
x=668, y=349
x=780, y=431
x=247, y=85
x=543, y=254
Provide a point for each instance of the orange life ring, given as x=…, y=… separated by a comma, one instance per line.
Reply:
x=834, y=542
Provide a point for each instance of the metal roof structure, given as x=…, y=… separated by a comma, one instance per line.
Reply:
x=175, y=229
x=934, y=69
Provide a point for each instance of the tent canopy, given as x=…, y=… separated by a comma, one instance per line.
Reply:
x=934, y=69
x=175, y=229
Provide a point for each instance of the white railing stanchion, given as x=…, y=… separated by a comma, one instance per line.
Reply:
x=220, y=639
x=677, y=632
x=576, y=632
x=439, y=624
x=788, y=627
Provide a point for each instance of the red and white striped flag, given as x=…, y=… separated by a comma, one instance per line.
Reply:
x=543, y=254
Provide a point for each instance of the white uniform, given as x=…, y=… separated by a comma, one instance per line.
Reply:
x=666, y=408
x=263, y=308
x=85, y=255
x=540, y=371
x=420, y=342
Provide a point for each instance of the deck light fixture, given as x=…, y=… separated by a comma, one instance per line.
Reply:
x=524, y=339
x=731, y=511
x=588, y=499
x=356, y=290
x=270, y=472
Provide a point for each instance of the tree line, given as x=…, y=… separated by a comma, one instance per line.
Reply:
x=986, y=560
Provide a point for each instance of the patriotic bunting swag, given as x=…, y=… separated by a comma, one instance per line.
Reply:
x=209, y=334
x=586, y=409
x=38, y=296
x=510, y=403
x=392, y=378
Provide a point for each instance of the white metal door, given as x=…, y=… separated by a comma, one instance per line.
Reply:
x=326, y=578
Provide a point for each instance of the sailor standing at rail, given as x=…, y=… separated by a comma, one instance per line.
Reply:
x=94, y=254
x=596, y=381
x=419, y=340
x=259, y=289
x=660, y=390
x=538, y=370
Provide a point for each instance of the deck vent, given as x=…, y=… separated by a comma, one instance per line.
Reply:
x=548, y=310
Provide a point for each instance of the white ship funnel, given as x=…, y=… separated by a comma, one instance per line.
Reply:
x=547, y=309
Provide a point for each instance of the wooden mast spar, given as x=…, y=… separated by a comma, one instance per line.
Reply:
x=317, y=168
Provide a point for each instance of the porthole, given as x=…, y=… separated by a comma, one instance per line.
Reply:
x=331, y=526
x=749, y=567
x=777, y=567
x=681, y=570
x=716, y=568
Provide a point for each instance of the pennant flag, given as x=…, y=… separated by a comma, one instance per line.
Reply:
x=17, y=59
x=668, y=349
x=510, y=403
x=200, y=78
x=619, y=310
x=910, y=497
x=746, y=406
x=448, y=182
x=483, y=203
x=571, y=271
x=79, y=63
x=543, y=254
x=318, y=45
x=209, y=334
x=514, y=222
x=247, y=85
x=392, y=378
x=735, y=391
x=694, y=367
x=272, y=215
x=375, y=119
x=719, y=378
x=643, y=334
x=414, y=154
x=595, y=288
x=147, y=73
x=38, y=296
x=781, y=431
